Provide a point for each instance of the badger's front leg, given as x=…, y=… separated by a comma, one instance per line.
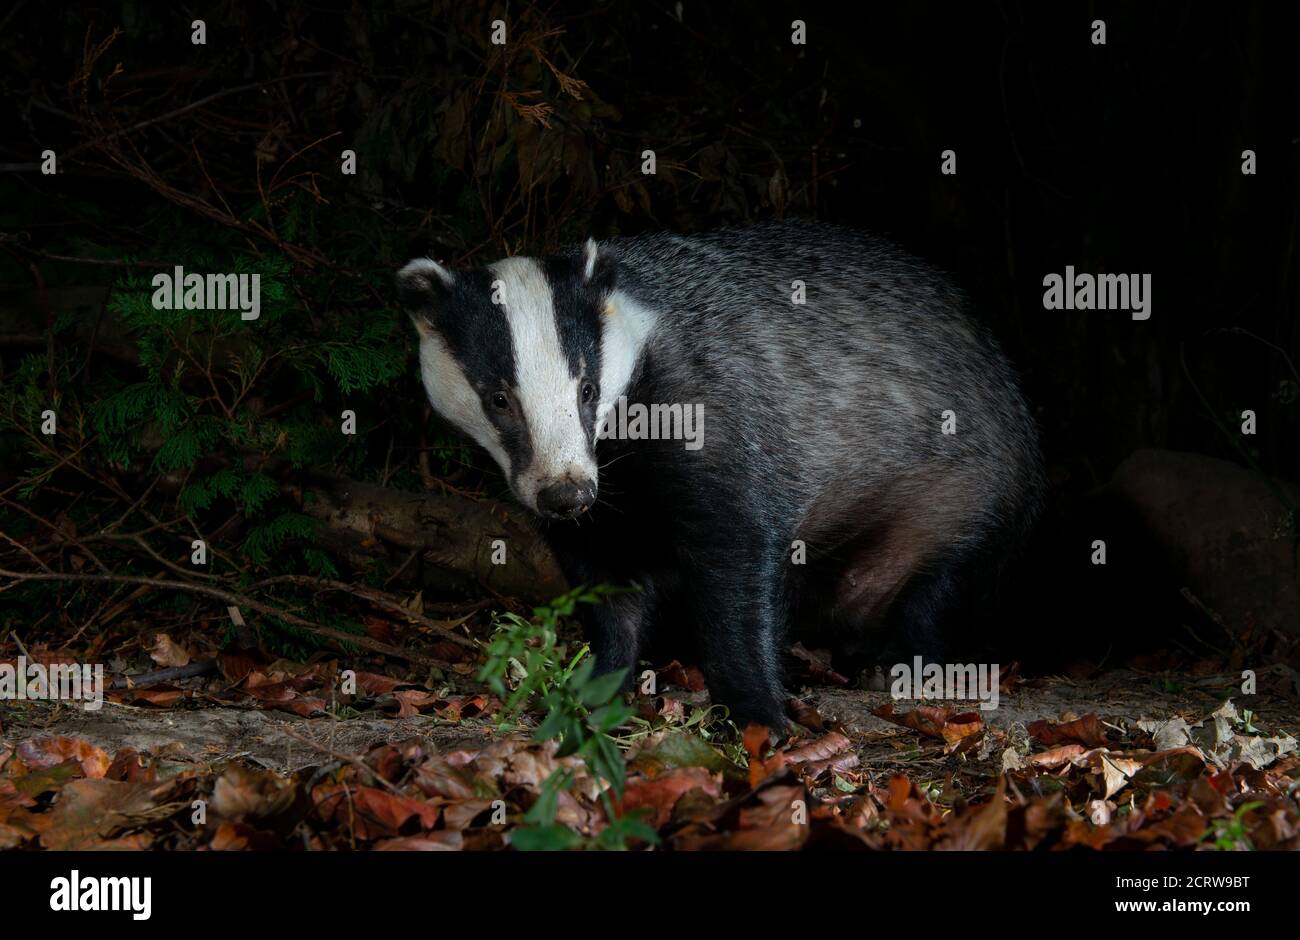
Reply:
x=616, y=626
x=735, y=583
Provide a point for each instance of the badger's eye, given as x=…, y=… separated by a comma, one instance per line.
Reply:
x=500, y=401
x=588, y=393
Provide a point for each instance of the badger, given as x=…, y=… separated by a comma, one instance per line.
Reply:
x=864, y=448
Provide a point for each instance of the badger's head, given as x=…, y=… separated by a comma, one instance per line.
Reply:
x=526, y=357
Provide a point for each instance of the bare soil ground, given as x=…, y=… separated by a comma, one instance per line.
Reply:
x=274, y=739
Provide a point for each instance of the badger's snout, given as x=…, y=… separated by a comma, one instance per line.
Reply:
x=566, y=499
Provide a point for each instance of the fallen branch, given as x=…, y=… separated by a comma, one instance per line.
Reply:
x=237, y=600
x=170, y=674
x=379, y=599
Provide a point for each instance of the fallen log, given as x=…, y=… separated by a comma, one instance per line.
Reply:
x=494, y=546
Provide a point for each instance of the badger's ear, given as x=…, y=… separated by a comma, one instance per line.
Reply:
x=422, y=286
x=598, y=269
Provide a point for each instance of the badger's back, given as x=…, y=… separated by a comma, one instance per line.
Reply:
x=839, y=401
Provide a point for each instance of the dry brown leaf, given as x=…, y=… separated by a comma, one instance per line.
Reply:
x=243, y=793
x=827, y=746
x=166, y=652
x=444, y=840
x=686, y=677
x=1056, y=757
x=660, y=795
x=45, y=753
x=806, y=714
x=159, y=698
x=818, y=665
x=88, y=812
x=373, y=683
x=942, y=721
x=235, y=665
x=410, y=701
x=980, y=828
x=1117, y=772
x=1087, y=731
x=462, y=813
x=372, y=813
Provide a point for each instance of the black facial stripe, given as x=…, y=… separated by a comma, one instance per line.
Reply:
x=477, y=333
x=517, y=445
x=577, y=315
x=578, y=326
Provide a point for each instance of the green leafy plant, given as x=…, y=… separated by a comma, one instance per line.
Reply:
x=1230, y=835
x=581, y=710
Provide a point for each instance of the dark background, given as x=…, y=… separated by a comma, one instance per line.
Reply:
x=1124, y=157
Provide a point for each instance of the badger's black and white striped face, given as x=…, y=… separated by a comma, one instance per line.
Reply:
x=526, y=357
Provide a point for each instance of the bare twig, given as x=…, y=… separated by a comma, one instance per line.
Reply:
x=230, y=597
x=174, y=113
x=379, y=599
x=19, y=643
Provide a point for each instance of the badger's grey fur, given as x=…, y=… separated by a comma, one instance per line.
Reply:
x=824, y=425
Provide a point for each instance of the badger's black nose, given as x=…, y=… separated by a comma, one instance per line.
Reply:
x=565, y=499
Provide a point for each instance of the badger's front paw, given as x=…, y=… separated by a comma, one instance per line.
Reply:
x=768, y=711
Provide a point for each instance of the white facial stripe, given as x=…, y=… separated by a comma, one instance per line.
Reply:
x=626, y=325
x=547, y=393
x=455, y=399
